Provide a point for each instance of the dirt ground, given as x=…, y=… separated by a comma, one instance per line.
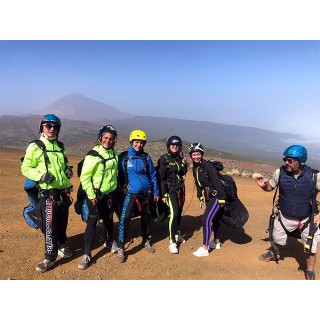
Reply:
x=22, y=248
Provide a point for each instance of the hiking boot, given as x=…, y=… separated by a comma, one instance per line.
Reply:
x=213, y=245
x=112, y=246
x=84, y=262
x=310, y=275
x=180, y=238
x=120, y=255
x=148, y=247
x=269, y=256
x=173, y=248
x=201, y=252
x=65, y=252
x=45, y=265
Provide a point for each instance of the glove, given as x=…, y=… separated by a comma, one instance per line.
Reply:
x=69, y=173
x=47, y=177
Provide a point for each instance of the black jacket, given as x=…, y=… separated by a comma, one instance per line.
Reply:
x=205, y=175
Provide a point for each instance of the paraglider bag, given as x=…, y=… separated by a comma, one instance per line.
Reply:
x=33, y=213
x=235, y=214
x=85, y=208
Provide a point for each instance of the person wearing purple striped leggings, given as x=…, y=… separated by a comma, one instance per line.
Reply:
x=211, y=192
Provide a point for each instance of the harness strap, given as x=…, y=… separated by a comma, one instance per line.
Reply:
x=313, y=227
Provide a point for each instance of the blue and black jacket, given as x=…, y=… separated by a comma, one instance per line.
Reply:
x=141, y=176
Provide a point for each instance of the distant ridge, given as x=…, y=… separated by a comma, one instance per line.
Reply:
x=79, y=107
x=82, y=117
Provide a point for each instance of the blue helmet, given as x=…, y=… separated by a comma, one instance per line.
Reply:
x=49, y=118
x=298, y=152
x=107, y=129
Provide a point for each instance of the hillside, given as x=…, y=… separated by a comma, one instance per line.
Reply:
x=21, y=247
x=82, y=116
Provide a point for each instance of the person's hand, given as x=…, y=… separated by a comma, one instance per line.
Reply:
x=47, y=177
x=164, y=200
x=69, y=173
x=317, y=219
x=94, y=201
x=155, y=198
x=201, y=204
x=261, y=181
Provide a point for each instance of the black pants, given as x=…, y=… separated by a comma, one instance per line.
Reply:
x=55, y=211
x=130, y=205
x=103, y=210
x=175, y=202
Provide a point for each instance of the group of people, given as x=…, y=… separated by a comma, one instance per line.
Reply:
x=133, y=175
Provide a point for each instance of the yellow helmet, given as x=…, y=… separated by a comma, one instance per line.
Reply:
x=138, y=135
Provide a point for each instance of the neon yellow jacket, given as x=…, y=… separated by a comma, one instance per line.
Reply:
x=34, y=166
x=93, y=174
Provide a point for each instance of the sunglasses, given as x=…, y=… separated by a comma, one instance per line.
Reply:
x=289, y=160
x=49, y=126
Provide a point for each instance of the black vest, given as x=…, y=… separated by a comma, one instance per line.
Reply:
x=295, y=195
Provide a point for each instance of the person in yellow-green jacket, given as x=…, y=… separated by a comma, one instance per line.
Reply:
x=48, y=166
x=99, y=181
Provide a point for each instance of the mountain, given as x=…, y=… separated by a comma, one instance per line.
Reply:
x=79, y=107
x=82, y=117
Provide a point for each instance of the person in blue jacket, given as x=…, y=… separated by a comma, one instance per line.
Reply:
x=137, y=175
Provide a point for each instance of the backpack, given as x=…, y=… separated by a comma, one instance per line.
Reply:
x=235, y=214
x=230, y=187
x=32, y=213
x=81, y=206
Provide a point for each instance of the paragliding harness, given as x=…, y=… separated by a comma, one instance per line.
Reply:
x=179, y=191
x=144, y=202
x=276, y=212
x=235, y=214
x=227, y=181
x=82, y=206
x=32, y=213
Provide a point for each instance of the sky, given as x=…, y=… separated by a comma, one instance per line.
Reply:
x=265, y=84
x=256, y=68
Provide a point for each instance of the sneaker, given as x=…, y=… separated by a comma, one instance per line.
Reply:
x=310, y=275
x=201, y=252
x=173, y=248
x=112, y=246
x=85, y=262
x=148, y=247
x=120, y=255
x=269, y=256
x=213, y=245
x=180, y=238
x=65, y=252
x=45, y=265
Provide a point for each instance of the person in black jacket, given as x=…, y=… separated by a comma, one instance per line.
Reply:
x=172, y=168
x=209, y=191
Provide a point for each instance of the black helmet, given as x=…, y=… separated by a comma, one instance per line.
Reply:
x=174, y=140
x=196, y=147
x=107, y=129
